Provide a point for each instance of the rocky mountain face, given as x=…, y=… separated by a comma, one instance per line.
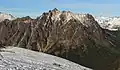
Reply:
x=76, y=37
x=4, y=16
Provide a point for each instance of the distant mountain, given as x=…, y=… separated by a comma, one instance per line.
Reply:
x=4, y=16
x=111, y=23
x=76, y=37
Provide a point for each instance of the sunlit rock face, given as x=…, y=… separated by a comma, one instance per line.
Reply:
x=77, y=37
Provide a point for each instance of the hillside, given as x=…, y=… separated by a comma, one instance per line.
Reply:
x=23, y=59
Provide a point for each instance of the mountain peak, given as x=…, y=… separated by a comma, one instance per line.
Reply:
x=55, y=9
x=56, y=15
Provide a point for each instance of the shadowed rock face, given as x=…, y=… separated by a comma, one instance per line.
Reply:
x=76, y=37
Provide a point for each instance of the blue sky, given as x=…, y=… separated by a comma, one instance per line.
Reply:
x=35, y=8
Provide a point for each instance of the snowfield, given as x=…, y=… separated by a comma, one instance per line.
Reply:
x=22, y=59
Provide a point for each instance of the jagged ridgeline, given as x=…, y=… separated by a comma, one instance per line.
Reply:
x=77, y=37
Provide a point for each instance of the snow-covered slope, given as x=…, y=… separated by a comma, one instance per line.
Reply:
x=23, y=59
x=111, y=23
x=4, y=16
